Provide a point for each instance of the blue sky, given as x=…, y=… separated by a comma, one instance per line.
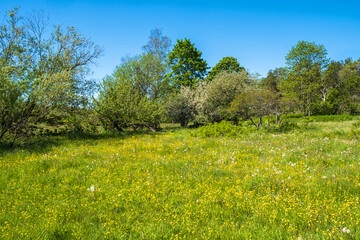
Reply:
x=258, y=33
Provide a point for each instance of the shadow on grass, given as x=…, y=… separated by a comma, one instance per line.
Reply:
x=38, y=145
x=47, y=143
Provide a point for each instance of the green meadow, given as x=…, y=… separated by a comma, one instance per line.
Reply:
x=180, y=184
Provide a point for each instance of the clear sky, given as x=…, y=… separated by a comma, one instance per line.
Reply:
x=258, y=33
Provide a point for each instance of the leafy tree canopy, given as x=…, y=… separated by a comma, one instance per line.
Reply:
x=305, y=64
x=273, y=79
x=39, y=72
x=226, y=64
x=130, y=96
x=187, y=66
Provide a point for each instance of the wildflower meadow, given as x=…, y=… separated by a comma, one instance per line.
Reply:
x=174, y=184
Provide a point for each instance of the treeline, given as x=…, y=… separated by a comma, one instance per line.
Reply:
x=174, y=84
x=43, y=84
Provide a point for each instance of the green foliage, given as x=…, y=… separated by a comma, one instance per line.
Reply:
x=213, y=98
x=273, y=79
x=254, y=103
x=305, y=64
x=180, y=106
x=330, y=105
x=350, y=87
x=82, y=120
x=226, y=64
x=187, y=66
x=222, y=129
x=39, y=75
x=132, y=95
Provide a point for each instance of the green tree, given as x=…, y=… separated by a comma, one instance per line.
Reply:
x=130, y=96
x=39, y=75
x=329, y=95
x=226, y=64
x=273, y=79
x=254, y=103
x=180, y=106
x=349, y=87
x=305, y=64
x=213, y=97
x=187, y=66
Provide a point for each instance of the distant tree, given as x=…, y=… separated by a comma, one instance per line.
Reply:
x=331, y=79
x=39, y=73
x=329, y=87
x=226, y=64
x=273, y=79
x=187, y=66
x=305, y=64
x=349, y=87
x=158, y=44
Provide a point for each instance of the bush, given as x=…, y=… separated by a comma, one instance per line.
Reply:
x=180, y=107
x=224, y=128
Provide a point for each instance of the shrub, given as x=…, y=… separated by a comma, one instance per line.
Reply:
x=180, y=107
x=224, y=128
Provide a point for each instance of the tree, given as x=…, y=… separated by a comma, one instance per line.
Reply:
x=187, y=66
x=305, y=64
x=159, y=47
x=329, y=98
x=38, y=74
x=180, y=106
x=129, y=96
x=254, y=103
x=213, y=97
x=273, y=79
x=158, y=44
x=349, y=87
x=226, y=64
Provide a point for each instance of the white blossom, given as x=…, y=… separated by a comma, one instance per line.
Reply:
x=92, y=188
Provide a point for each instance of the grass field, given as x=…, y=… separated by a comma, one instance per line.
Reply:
x=173, y=185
